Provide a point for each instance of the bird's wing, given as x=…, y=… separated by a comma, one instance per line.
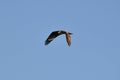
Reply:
x=51, y=37
x=68, y=38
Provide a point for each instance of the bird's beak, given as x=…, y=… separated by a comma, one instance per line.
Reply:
x=70, y=33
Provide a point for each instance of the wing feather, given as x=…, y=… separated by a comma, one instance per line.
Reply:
x=51, y=37
x=68, y=38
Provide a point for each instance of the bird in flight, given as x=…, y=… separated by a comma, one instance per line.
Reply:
x=54, y=34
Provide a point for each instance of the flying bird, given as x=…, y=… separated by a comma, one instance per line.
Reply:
x=54, y=34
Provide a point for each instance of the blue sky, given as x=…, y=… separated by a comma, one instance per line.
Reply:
x=93, y=55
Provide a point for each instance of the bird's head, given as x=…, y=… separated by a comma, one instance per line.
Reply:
x=70, y=33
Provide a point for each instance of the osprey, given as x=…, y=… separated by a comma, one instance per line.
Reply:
x=54, y=34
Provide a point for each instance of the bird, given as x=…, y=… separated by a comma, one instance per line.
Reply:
x=57, y=33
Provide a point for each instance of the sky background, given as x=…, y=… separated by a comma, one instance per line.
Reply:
x=93, y=55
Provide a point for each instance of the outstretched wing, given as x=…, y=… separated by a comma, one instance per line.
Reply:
x=51, y=37
x=68, y=38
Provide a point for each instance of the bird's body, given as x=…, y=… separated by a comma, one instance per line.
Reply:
x=54, y=34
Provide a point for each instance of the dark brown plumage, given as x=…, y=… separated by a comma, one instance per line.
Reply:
x=54, y=34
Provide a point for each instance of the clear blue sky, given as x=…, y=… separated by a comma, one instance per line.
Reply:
x=93, y=55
